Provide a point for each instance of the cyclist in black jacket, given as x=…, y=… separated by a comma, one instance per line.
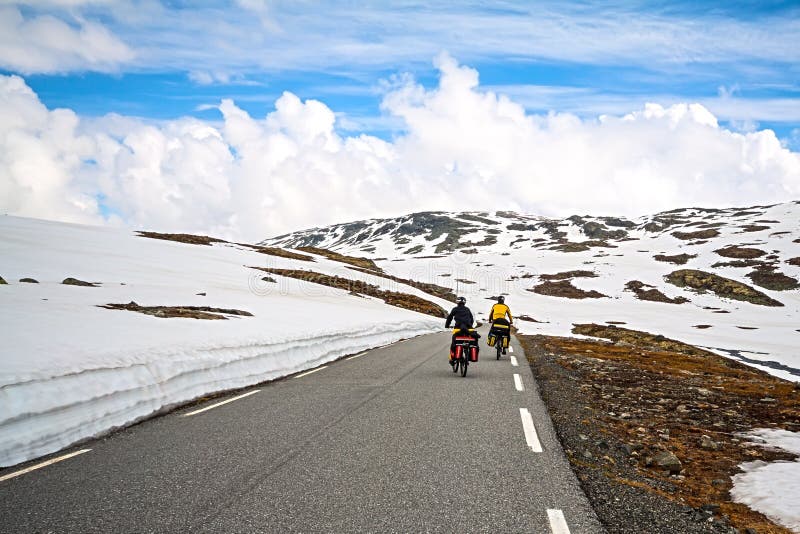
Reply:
x=462, y=318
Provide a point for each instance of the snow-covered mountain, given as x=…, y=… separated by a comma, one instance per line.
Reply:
x=724, y=279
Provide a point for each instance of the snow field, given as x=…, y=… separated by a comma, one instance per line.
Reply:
x=71, y=370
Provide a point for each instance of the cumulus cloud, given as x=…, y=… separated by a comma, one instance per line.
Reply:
x=46, y=44
x=462, y=148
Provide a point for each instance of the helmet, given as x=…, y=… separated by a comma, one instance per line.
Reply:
x=461, y=300
x=501, y=299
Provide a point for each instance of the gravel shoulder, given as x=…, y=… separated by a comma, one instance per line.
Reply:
x=652, y=427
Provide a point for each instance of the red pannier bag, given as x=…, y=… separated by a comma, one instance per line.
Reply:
x=473, y=354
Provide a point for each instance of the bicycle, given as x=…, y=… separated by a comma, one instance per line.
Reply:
x=463, y=353
x=500, y=338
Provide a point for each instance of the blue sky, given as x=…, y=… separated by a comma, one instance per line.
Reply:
x=222, y=117
x=737, y=58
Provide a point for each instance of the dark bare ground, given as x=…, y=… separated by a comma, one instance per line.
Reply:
x=185, y=312
x=616, y=405
x=393, y=298
x=677, y=259
x=564, y=288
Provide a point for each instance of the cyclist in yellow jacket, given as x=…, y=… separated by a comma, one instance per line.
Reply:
x=497, y=318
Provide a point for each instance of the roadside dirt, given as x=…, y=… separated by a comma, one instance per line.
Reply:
x=655, y=425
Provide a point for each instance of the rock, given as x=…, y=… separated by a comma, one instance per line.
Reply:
x=583, y=437
x=28, y=281
x=269, y=279
x=708, y=444
x=75, y=282
x=668, y=462
x=201, y=294
x=588, y=455
x=719, y=482
x=769, y=400
x=630, y=448
x=3, y=282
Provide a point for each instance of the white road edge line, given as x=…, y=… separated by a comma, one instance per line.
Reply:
x=353, y=357
x=530, y=431
x=43, y=464
x=221, y=403
x=558, y=525
x=510, y=348
x=518, y=382
x=514, y=361
x=301, y=375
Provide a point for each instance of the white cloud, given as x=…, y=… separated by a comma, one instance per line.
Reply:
x=463, y=148
x=46, y=44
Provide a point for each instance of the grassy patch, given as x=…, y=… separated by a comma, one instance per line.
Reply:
x=647, y=292
x=768, y=278
x=280, y=252
x=393, y=298
x=567, y=275
x=182, y=238
x=75, y=282
x=364, y=263
x=701, y=282
x=432, y=289
x=700, y=234
x=677, y=259
x=741, y=253
x=183, y=312
x=565, y=289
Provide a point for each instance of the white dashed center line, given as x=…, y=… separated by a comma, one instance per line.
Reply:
x=43, y=464
x=514, y=361
x=530, y=431
x=558, y=525
x=518, y=382
x=510, y=348
x=221, y=403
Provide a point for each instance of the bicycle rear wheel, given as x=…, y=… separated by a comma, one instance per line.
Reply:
x=499, y=345
x=464, y=364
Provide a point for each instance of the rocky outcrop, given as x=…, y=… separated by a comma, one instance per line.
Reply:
x=75, y=282
x=183, y=312
x=701, y=282
x=677, y=259
x=565, y=289
x=741, y=253
x=647, y=292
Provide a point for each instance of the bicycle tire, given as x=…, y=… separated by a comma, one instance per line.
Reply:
x=464, y=364
x=499, y=349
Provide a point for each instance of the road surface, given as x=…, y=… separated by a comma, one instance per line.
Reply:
x=387, y=441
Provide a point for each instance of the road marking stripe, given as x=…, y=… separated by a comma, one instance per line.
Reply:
x=43, y=464
x=510, y=348
x=301, y=375
x=530, y=431
x=518, y=382
x=356, y=356
x=221, y=403
x=514, y=361
x=558, y=525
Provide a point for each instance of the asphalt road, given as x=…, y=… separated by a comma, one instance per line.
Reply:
x=389, y=441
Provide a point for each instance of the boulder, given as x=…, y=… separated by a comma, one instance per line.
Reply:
x=668, y=462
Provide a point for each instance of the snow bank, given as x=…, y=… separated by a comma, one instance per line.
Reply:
x=772, y=488
x=70, y=370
